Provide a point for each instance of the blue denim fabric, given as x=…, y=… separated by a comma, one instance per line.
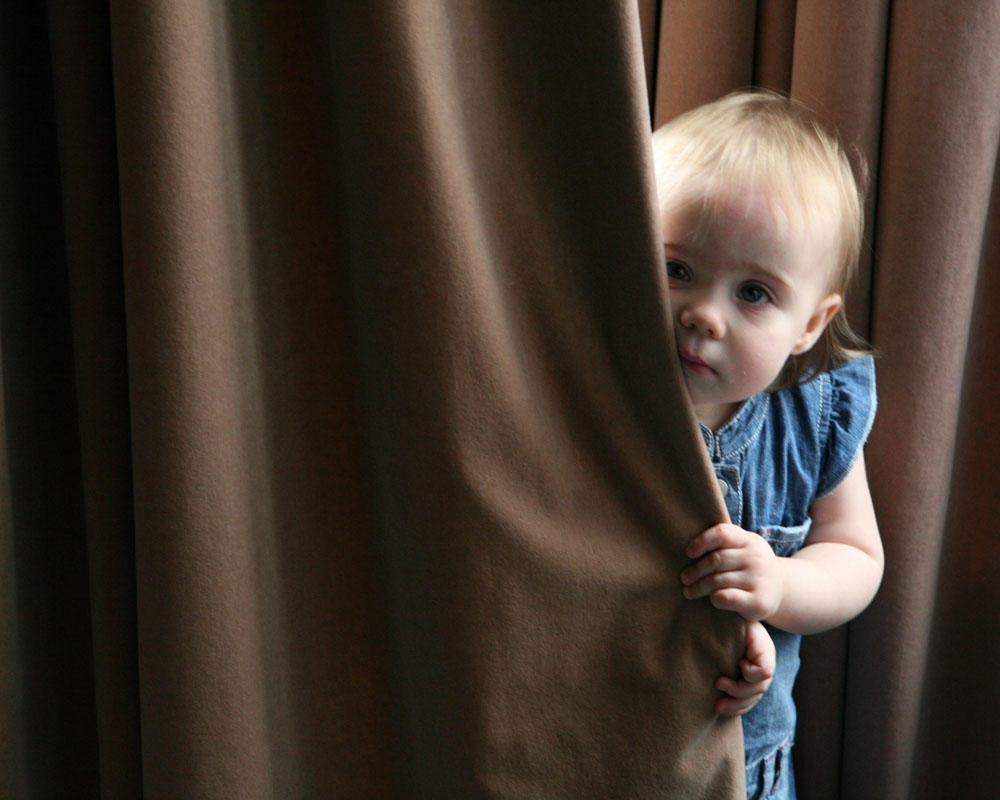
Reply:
x=779, y=453
x=772, y=778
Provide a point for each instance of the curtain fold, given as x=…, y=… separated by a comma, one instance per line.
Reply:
x=263, y=668
x=887, y=706
x=345, y=451
x=509, y=221
x=342, y=449
x=88, y=175
x=934, y=226
x=46, y=678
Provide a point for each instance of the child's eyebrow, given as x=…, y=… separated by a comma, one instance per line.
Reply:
x=768, y=272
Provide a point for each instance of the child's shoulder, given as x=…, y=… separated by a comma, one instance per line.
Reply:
x=846, y=390
x=855, y=376
x=846, y=412
x=826, y=421
x=849, y=390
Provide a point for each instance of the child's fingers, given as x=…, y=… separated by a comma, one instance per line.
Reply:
x=741, y=695
x=716, y=582
x=755, y=673
x=760, y=648
x=732, y=591
x=733, y=707
x=724, y=560
x=735, y=599
x=738, y=688
x=724, y=534
x=756, y=669
x=726, y=591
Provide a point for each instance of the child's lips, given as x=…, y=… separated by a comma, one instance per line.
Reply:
x=691, y=362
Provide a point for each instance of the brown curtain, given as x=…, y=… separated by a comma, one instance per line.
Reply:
x=900, y=704
x=343, y=452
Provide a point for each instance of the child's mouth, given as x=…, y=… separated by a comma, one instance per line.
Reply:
x=691, y=362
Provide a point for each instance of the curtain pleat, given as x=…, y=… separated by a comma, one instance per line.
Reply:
x=88, y=174
x=261, y=623
x=527, y=437
x=342, y=449
x=831, y=44
x=775, y=44
x=892, y=706
x=940, y=141
x=47, y=678
x=345, y=455
x=838, y=70
x=704, y=51
x=964, y=645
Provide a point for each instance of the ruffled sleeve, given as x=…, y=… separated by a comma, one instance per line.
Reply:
x=852, y=411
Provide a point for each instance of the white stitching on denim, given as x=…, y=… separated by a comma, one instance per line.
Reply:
x=825, y=394
x=835, y=480
x=763, y=407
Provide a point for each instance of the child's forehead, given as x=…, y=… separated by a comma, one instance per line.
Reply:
x=764, y=216
x=766, y=209
x=783, y=210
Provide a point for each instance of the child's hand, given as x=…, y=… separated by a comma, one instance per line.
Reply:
x=756, y=670
x=737, y=570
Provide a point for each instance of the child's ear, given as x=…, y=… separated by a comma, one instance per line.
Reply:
x=821, y=317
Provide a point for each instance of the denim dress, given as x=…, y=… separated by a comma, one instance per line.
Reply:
x=779, y=453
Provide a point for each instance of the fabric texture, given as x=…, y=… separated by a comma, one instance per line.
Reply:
x=780, y=452
x=342, y=449
x=338, y=331
x=529, y=432
x=772, y=777
x=914, y=90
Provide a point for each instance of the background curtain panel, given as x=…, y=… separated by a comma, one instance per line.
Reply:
x=344, y=450
x=897, y=705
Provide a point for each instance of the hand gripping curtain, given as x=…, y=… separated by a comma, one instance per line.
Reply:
x=538, y=470
x=379, y=461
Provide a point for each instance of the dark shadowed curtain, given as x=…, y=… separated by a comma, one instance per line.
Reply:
x=901, y=703
x=344, y=450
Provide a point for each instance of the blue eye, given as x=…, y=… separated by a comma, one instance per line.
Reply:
x=754, y=293
x=678, y=271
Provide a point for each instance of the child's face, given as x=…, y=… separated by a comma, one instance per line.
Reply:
x=745, y=293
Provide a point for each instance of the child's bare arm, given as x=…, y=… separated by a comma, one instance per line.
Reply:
x=835, y=576
x=828, y=582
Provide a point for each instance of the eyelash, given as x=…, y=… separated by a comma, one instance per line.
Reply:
x=764, y=298
x=677, y=265
x=673, y=267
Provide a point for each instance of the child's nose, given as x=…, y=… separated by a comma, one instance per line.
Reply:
x=703, y=316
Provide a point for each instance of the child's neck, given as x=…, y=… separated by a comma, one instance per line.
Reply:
x=715, y=416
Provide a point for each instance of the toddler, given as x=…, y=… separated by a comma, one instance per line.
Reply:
x=762, y=225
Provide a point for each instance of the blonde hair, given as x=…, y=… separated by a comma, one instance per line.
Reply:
x=760, y=140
